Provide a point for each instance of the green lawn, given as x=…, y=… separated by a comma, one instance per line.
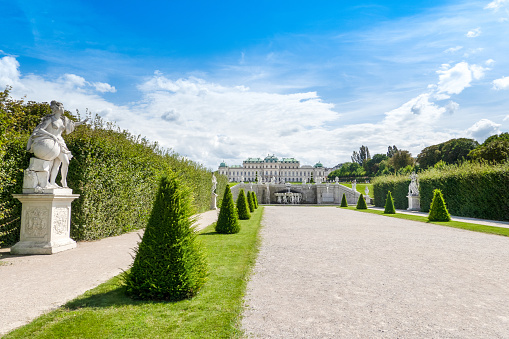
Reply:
x=105, y=312
x=455, y=224
x=361, y=187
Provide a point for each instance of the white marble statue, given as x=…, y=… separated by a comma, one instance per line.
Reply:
x=214, y=183
x=47, y=144
x=354, y=184
x=273, y=180
x=413, y=188
x=366, y=190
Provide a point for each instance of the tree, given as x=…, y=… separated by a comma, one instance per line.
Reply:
x=494, y=149
x=242, y=206
x=361, y=203
x=169, y=263
x=401, y=159
x=438, y=210
x=250, y=202
x=391, y=151
x=373, y=164
x=344, y=203
x=312, y=180
x=451, y=152
x=228, y=220
x=389, y=204
x=362, y=156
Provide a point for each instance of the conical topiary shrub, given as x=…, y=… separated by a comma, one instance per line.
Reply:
x=344, y=203
x=242, y=206
x=169, y=263
x=228, y=220
x=389, y=204
x=438, y=210
x=361, y=203
x=255, y=199
x=250, y=202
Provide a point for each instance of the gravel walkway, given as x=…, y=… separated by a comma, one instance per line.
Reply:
x=31, y=285
x=325, y=272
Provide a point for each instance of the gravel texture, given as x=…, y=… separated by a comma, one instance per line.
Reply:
x=325, y=272
x=31, y=285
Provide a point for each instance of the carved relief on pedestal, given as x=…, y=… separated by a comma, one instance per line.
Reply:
x=61, y=220
x=37, y=219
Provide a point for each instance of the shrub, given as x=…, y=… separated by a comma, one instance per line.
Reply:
x=389, y=204
x=250, y=202
x=361, y=203
x=169, y=263
x=242, y=206
x=228, y=220
x=344, y=203
x=438, y=209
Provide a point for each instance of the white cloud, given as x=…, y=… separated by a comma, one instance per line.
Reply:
x=453, y=49
x=474, y=33
x=104, y=87
x=483, y=129
x=502, y=83
x=490, y=62
x=455, y=79
x=72, y=80
x=452, y=107
x=496, y=4
x=9, y=72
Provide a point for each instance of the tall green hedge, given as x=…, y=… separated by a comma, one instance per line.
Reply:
x=476, y=190
x=115, y=173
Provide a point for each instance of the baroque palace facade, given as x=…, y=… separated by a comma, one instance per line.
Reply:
x=282, y=170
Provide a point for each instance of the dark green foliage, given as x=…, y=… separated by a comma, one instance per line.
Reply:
x=361, y=203
x=401, y=159
x=389, y=204
x=255, y=200
x=242, y=206
x=475, y=190
x=169, y=263
x=438, y=209
x=114, y=172
x=228, y=220
x=495, y=149
x=344, y=203
x=250, y=202
x=450, y=152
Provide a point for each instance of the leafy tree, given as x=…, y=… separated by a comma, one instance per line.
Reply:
x=495, y=149
x=228, y=220
x=373, y=165
x=362, y=156
x=361, y=203
x=391, y=151
x=242, y=206
x=401, y=159
x=451, y=152
x=344, y=203
x=169, y=263
x=312, y=180
x=389, y=204
x=250, y=201
x=438, y=210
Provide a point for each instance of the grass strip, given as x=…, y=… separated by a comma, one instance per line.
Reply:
x=456, y=224
x=105, y=311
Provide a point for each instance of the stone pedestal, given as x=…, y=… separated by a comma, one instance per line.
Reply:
x=45, y=222
x=414, y=203
x=213, y=202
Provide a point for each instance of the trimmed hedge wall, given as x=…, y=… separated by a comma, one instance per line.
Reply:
x=116, y=175
x=476, y=190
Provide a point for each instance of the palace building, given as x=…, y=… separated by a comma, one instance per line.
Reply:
x=282, y=170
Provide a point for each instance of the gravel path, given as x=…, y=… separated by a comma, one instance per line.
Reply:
x=325, y=272
x=31, y=285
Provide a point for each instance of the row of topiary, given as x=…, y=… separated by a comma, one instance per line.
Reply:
x=229, y=214
x=437, y=212
x=476, y=190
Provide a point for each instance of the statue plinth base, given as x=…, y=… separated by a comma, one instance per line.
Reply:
x=414, y=203
x=213, y=202
x=45, y=222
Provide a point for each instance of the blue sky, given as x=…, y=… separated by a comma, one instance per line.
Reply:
x=229, y=80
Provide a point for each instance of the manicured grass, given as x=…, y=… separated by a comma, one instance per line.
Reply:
x=455, y=224
x=105, y=311
x=360, y=188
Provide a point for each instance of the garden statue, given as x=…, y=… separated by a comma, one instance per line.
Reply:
x=354, y=184
x=48, y=146
x=413, y=188
x=273, y=180
x=214, y=183
x=366, y=190
x=213, y=201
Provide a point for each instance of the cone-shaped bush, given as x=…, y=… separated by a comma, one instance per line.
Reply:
x=389, y=204
x=250, y=202
x=438, y=210
x=361, y=203
x=169, y=263
x=242, y=206
x=228, y=220
x=344, y=203
x=255, y=199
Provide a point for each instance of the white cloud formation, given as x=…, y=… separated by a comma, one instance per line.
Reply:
x=455, y=79
x=474, y=33
x=502, y=83
x=490, y=62
x=104, y=87
x=453, y=49
x=496, y=5
x=483, y=129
